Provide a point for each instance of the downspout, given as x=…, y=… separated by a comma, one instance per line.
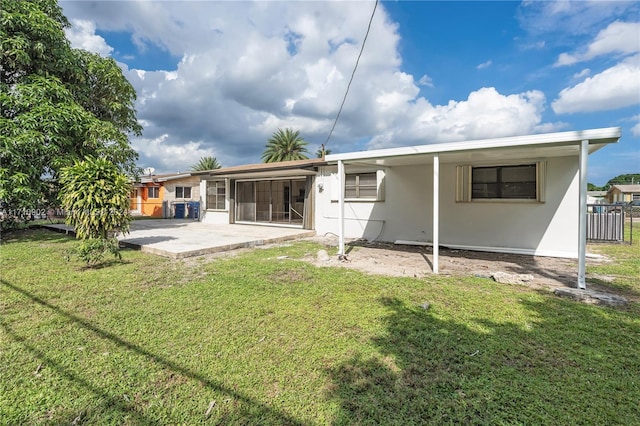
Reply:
x=582, y=219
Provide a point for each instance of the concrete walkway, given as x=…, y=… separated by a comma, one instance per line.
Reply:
x=179, y=238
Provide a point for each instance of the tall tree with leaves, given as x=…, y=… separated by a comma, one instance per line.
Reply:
x=57, y=104
x=206, y=163
x=285, y=145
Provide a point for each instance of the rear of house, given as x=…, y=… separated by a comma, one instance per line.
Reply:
x=516, y=195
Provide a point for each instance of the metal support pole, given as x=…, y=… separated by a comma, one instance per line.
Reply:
x=582, y=211
x=341, y=179
x=436, y=210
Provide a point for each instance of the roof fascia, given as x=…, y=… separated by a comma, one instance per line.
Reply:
x=594, y=136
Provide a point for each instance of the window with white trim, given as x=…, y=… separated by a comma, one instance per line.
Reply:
x=183, y=192
x=216, y=194
x=501, y=182
x=153, y=192
x=361, y=185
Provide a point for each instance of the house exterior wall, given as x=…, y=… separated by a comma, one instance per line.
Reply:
x=170, y=189
x=618, y=196
x=192, y=182
x=151, y=206
x=214, y=216
x=546, y=228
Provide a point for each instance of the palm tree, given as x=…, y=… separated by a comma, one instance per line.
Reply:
x=206, y=163
x=285, y=145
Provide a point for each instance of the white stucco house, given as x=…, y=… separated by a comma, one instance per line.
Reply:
x=523, y=194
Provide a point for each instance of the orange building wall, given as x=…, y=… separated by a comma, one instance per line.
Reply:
x=148, y=206
x=151, y=206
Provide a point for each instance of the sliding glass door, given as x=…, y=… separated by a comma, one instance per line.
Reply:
x=271, y=201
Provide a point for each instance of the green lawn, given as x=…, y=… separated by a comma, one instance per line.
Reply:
x=261, y=339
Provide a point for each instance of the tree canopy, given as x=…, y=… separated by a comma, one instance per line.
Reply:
x=206, y=163
x=57, y=104
x=285, y=145
x=624, y=179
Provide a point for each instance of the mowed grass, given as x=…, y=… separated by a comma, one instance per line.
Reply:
x=264, y=338
x=626, y=265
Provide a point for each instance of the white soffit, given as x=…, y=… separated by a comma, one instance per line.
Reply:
x=525, y=147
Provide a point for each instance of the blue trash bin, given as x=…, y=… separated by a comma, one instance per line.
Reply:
x=179, y=210
x=194, y=209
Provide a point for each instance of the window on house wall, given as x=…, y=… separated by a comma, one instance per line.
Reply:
x=153, y=192
x=183, y=192
x=510, y=182
x=361, y=185
x=507, y=182
x=216, y=193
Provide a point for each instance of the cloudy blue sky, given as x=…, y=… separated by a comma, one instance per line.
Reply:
x=219, y=77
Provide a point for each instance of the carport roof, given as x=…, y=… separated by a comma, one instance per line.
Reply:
x=530, y=146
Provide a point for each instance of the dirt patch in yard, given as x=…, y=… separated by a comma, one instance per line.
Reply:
x=416, y=261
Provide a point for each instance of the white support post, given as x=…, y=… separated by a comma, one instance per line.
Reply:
x=341, y=179
x=436, y=210
x=582, y=211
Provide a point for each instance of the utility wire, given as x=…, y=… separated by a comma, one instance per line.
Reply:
x=351, y=79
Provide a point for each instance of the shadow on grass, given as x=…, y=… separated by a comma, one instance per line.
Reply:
x=35, y=234
x=249, y=407
x=566, y=368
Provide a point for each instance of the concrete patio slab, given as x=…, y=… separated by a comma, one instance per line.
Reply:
x=177, y=239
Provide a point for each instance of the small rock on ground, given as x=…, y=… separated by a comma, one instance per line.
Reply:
x=507, y=278
x=591, y=297
x=323, y=256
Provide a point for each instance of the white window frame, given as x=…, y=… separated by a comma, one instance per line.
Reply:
x=380, y=175
x=218, y=185
x=183, y=189
x=464, y=183
x=151, y=189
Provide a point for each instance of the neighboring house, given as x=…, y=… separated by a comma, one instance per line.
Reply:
x=596, y=197
x=175, y=195
x=623, y=194
x=276, y=194
x=524, y=194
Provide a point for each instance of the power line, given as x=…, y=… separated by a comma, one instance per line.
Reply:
x=351, y=79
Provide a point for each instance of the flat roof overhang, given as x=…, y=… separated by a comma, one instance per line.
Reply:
x=265, y=170
x=485, y=150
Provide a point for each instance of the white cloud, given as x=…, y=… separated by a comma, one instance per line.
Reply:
x=248, y=69
x=635, y=130
x=615, y=87
x=582, y=74
x=425, y=80
x=617, y=38
x=165, y=156
x=484, y=114
x=484, y=65
x=570, y=17
x=82, y=35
